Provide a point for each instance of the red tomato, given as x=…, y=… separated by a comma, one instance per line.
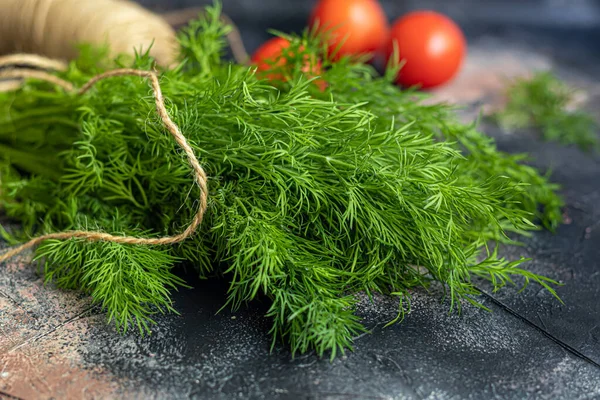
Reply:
x=432, y=46
x=360, y=26
x=269, y=57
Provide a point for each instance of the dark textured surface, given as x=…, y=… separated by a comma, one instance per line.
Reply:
x=572, y=255
x=431, y=354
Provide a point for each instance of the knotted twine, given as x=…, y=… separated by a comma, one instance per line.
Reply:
x=200, y=177
x=52, y=27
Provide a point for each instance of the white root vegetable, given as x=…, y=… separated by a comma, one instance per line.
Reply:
x=53, y=28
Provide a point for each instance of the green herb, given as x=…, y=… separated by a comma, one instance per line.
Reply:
x=543, y=102
x=314, y=196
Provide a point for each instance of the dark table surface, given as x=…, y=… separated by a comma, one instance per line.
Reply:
x=53, y=345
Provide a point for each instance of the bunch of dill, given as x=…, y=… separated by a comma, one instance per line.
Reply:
x=546, y=103
x=314, y=195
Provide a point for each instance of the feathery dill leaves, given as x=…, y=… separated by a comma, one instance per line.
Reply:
x=545, y=103
x=131, y=283
x=314, y=195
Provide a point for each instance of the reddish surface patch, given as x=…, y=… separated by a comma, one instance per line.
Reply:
x=41, y=332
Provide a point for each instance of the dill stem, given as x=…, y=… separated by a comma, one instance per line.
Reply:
x=30, y=162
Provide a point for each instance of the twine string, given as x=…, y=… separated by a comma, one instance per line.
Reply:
x=32, y=60
x=199, y=173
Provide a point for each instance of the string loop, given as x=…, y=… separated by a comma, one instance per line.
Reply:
x=199, y=173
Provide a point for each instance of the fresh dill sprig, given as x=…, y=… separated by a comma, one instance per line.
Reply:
x=130, y=283
x=314, y=195
x=544, y=102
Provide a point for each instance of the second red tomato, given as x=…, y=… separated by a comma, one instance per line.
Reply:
x=357, y=27
x=431, y=45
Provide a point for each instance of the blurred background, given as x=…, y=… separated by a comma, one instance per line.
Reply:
x=567, y=21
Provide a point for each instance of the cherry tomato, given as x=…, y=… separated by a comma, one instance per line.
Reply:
x=431, y=45
x=269, y=57
x=357, y=27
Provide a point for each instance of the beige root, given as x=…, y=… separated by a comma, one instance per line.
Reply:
x=199, y=173
x=54, y=27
